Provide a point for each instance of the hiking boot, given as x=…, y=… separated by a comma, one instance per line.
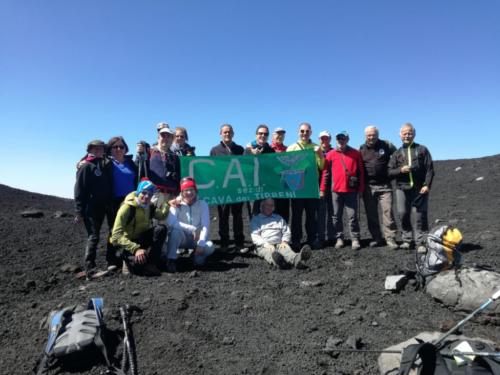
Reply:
x=405, y=246
x=355, y=245
x=392, y=244
x=171, y=266
x=149, y=269
x=278, y=259
x=305, y=253
x=375, y=243
x=421, y=249
x=339, y=244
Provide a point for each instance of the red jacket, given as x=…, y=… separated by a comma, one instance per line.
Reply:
x=334, y=171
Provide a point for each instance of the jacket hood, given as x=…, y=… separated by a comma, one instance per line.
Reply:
x=130, y=199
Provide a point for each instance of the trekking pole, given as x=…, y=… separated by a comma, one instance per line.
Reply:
x=488, y=302
x=453, y=353
x=129, y=355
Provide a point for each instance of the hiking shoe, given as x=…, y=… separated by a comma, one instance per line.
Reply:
x=339, y=244
x=405, y=246
x=171, y=266
x=149, y=269
x=375, y=243
x=112, y=268
x=421, y=249
x=278, y=259
x=355, y=245
x=392, y=244
x=305, y=253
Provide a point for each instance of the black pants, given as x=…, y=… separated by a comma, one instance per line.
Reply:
x=152, y=241
x=93, y=218
x=236, y=209
x=310, y=205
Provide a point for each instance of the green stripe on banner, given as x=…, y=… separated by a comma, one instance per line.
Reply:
x=240, y=178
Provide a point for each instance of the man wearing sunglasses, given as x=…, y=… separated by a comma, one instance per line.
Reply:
x=309, y=205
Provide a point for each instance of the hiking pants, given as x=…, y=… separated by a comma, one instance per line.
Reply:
x=152, y=241
x=93, y=219
x=372, y=197
x=325, y=218
x=310, y=205
x=349, y=201
x=236, y=209
x=266, y=251
x=178, y=238
x=407, y=200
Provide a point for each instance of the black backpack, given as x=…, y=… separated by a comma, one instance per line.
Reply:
x=441, y=361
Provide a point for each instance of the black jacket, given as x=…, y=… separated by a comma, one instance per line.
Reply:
x=422, y=168
x=94, y=184
x=222, y=150
x=375, y=160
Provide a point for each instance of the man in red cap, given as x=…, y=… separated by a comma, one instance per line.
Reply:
x=189, y=224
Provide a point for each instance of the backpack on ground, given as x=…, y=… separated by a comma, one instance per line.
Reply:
x=75, y=333
x=442, y=245
x=443, y=361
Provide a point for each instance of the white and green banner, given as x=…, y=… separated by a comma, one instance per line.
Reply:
x=240, y=178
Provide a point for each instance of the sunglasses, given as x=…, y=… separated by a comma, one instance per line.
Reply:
x=118, y=147
x=263, y=133
x=147, y=193
x=305, y=131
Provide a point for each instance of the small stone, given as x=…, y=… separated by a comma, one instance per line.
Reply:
x=60, y=214
x=135, y=293
x=395, y=282
x=82, y=288
x=383, y=314
x=228, y=340
x=332, y=343
x=338, y=311
x=32, y=213
x=457, y=169
x=354, y=342
x=310, y=283
x=375, y=324
x=480, y=178
x=193, y=274
x=69, y=268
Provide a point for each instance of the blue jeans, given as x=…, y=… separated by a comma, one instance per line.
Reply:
x=177, y=238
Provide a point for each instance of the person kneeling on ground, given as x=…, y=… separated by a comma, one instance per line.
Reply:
x=135, y=235
x=189, y=224
x=271, y=236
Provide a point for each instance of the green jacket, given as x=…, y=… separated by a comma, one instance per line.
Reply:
x=299, y=145
x=127, y=230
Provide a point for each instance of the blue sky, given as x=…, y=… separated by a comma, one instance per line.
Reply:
x=72, y=71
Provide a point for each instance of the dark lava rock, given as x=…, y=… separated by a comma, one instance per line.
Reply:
x=32, y=213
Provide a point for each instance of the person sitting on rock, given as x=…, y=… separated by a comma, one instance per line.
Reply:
x=271, y=237
x=135, y=235
x=189, y=224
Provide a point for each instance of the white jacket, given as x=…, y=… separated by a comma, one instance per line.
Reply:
x=269, y=230
x=192, y=219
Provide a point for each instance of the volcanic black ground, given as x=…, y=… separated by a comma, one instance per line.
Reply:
x=239, y=316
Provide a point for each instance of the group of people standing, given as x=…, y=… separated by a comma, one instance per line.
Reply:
x=109, y=181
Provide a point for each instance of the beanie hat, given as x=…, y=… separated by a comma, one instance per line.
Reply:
x=145, y=185
x=95, y=143
x=188, y=183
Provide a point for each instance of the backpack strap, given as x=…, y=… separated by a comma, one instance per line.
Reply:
x=428, y=355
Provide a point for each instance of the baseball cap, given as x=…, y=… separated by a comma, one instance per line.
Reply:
x=325, y=133
x=279, y=130
x=163, y=127
x=343, y=133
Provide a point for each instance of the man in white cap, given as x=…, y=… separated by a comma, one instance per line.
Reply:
x=344, y=167
x=325, y=206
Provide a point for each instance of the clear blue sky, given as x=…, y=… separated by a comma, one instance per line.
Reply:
x=72, y=71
